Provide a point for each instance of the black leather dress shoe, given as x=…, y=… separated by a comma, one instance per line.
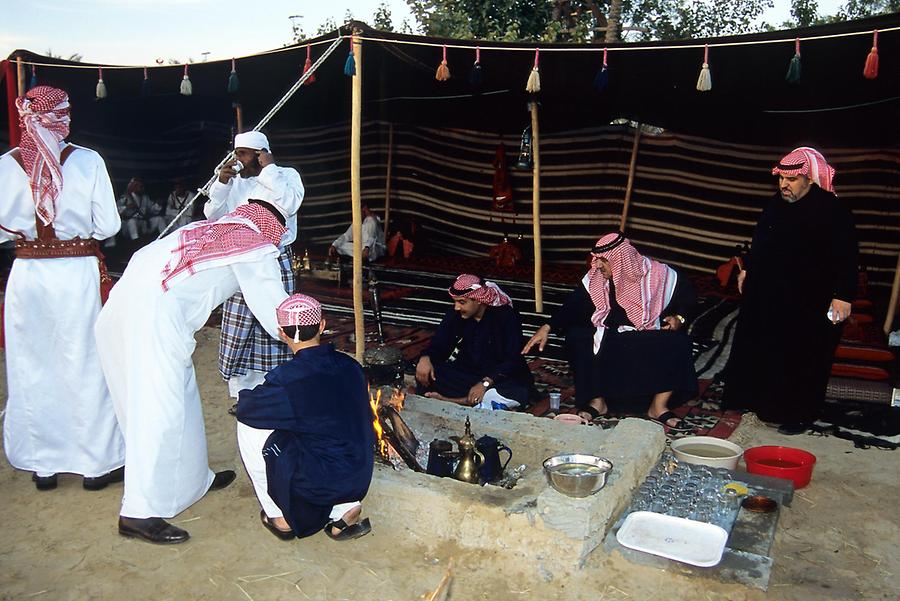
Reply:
x=44, y=482
x=152, y=530
x=222, y=479
x=100, y=482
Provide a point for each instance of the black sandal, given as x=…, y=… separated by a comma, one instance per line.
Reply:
x=348, y=531
x=663, y=420
x=595, y=414
x=282, y=534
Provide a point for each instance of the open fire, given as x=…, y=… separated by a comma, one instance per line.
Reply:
x=395, y=441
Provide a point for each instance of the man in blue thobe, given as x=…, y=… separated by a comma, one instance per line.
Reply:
x=306, y=435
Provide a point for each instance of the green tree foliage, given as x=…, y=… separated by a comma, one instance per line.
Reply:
x=857, y=9
x=805, y=12
x=382, y=18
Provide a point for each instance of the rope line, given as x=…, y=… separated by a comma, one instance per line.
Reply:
x=204, y=191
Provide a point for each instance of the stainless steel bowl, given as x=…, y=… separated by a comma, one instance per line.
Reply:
x=577, y=475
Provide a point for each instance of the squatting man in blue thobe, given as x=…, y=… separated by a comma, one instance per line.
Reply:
x=306, y=435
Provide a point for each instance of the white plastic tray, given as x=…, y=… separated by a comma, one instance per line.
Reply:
x=696, y=543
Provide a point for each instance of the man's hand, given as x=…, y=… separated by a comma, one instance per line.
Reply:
x=476, y=394
x=265, y=158
x=539, y=339
x=425, y=371
x=227, y=172
x=332, y=252
x=671, y=323
x=742, y=275
x=840, y=310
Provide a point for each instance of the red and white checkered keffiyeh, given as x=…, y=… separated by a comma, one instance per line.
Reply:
x=299, y=310
x=641, y=283
x=224, y=241
x=44, y=121
x=809, y=162
x=472, y=286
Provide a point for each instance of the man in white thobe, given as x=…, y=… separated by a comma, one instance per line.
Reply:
x=59, y=416
x=246, y=351
x=373, y=246
x=145, y=336
x=178, y=198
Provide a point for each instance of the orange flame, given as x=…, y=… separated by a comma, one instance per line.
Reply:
x=375, y=402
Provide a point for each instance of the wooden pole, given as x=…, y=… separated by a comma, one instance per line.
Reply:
x=239, y=117
x=387, y=180
x=630, y=186
x=356, y=195
x=20, y=75
x=895, y=292
x=536, y=209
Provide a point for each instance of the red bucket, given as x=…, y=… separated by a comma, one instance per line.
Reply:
x=781, y=462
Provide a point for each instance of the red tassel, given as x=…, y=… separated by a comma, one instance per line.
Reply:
x=443, y=71
x=871, y=69
x=307, y=66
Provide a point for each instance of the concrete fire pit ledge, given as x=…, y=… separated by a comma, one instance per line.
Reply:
x=532, y=521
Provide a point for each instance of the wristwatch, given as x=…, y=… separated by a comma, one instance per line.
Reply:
x=487, y=383
x=679, y=318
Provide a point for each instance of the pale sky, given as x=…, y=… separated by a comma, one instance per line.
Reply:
x=137, y=32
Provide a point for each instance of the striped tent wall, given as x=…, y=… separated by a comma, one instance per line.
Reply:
x=694, y=199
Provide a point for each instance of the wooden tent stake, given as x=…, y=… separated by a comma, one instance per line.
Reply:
x=536, y=209
x=387, y=180
x=356, y=196
x=630, y=186
x=20, y=75
x=895, y=292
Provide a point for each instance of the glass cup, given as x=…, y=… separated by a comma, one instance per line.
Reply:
x=555, y=400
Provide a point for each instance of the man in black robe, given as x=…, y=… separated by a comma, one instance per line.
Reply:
x=306, y=434
x=800, y=278
x=624, y=335
x=486, y=332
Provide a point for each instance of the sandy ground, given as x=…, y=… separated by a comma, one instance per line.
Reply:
x=837, y=541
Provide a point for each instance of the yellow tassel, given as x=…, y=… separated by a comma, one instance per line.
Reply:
x=534, y=82
x=443, y=72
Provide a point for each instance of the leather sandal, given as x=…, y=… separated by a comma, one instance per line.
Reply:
x=282, y=534
x=595, y=414
x=664, y=417
x=348, y=531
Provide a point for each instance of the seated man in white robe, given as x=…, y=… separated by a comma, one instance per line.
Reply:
x=372, y=239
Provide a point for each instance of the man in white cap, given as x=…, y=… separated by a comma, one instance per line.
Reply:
x=57, y=204
x=145, y=338
x=246, y=351
x=306, y=433
x=801, y=276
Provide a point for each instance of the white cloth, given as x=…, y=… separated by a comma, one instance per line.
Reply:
x=146, y=338
x=59, y=415
x=251, y=442
x=174, y=205
x=372, y=237
x=255, y=140
x=272, y=181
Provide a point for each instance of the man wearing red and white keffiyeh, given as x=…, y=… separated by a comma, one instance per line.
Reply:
x=485, y=333
x=801, y=273
x=145, y=338
x=624, y=342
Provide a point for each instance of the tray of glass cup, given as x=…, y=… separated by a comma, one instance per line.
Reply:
x=694, y=492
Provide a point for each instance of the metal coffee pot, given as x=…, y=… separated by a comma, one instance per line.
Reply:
x=470, y=458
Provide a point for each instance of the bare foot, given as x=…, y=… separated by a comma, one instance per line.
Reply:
x=598, y=405
x=458, y=400
x=280, y=523
x=350, y=518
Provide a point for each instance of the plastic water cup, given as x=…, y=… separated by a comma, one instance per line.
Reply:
x=555, y=399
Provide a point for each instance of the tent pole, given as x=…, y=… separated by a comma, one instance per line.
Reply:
x=20, y=75
x=630, y=186
x=387, y=180
x=239, y=117
x=356, y=195
x=895, y=292
x=536, y=209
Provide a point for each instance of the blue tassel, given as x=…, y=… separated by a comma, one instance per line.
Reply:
x=34, y=82
x=145, y=84
x=350, y=65
x=233, y=83
x=793, y=72
x=475, y=77
x=602, y=79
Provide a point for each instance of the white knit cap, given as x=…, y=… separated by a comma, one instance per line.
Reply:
x=252, y=139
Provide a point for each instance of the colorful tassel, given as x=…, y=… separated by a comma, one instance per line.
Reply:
x=793, y=72
x=704, y=81
x=534, y=78
x=350, y=65
x=475, y=75
x=602, y=79
x=145, y=85
x=443, y=71
x=101, y=87
x=186, y=88
x=307, y=66
x=34, y=81
x=234, y=83
x=870, y=71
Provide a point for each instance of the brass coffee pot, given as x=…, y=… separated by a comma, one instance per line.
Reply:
x=470, y=458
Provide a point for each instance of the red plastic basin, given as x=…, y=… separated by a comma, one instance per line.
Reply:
x=781, y=462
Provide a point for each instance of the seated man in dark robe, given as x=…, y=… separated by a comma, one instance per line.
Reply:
x=486, y=332
x=306, y=435
x=624, y=335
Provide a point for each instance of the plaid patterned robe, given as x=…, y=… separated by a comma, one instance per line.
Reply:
x=244, y=344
